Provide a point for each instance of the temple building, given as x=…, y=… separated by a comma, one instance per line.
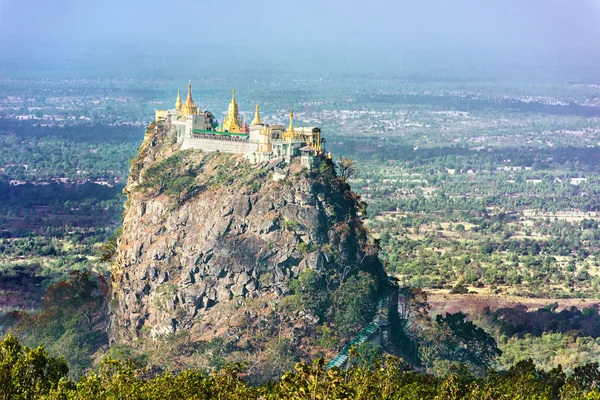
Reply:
x=258, y=142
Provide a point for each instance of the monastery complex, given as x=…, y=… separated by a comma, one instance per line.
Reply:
x=258, y=142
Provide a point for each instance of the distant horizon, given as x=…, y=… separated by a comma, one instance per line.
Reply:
x=430, y=64
x=389, y=35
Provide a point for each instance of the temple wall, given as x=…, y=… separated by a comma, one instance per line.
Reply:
x=224, y=146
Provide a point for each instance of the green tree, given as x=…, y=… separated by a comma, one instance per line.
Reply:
x=467, y=343
x=354, y=303
x=346, y=168
x=28, y=373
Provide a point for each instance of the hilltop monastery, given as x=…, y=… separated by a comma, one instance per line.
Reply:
x=258, y=142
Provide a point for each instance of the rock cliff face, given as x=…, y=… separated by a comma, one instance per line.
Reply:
x=206, y=229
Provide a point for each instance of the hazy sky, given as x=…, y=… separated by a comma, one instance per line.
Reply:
x=552, y=28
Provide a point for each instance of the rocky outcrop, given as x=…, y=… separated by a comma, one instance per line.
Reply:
x=230, y=232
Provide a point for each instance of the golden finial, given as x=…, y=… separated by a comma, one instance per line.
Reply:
x=256, y=120
x=291, y=127
x=178, y=102
x=232, y=95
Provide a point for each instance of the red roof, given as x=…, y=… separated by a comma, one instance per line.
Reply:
x=308, y=148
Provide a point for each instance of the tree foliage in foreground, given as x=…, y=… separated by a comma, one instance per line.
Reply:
x=27, y=373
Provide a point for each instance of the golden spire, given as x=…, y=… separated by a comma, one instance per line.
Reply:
x=256, y=120
x=290, y=133
x=188, y=100
x=232, y=122
x=178, y=102
x=189, y=107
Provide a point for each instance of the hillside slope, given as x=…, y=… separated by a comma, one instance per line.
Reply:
x=212, y=245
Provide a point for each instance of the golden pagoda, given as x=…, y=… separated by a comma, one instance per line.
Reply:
x=189, y=107
x=256, y=120
x=290, y=133
x=232, y=122
x=178, y=102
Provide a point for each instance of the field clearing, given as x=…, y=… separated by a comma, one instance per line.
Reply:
x=533, y=236
x=571, y=216
x=442, y=301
